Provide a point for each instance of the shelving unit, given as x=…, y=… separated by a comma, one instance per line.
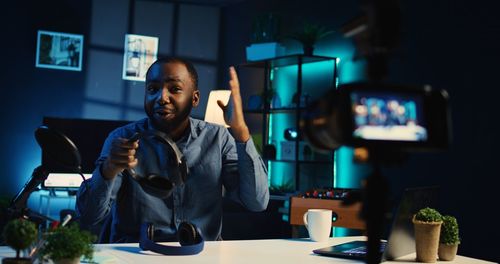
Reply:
x=300, y=61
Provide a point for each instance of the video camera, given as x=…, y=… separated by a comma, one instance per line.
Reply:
x=377, y=115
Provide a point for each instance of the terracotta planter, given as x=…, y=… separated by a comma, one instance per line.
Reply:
x=16, y=261
x=447, y=252
x=427, y=240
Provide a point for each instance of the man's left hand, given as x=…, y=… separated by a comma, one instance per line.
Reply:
x=237, y=121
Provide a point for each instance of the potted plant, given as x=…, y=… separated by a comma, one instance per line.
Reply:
x=264, y=39
x=427, y=223
x=282, y=189
x=19, y=234
x=67, y=244
x=448, y=240
x=308, y=35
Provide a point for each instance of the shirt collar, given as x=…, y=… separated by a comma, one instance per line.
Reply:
x=193, y=126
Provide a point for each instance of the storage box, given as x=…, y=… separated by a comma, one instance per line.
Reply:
x=288, y=150
x=262, y=51
x=306, y=152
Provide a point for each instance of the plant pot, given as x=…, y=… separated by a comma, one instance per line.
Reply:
x=308, y=50
x=447, y=252
x=426, y=240
x=16, y=261
x=67, y=261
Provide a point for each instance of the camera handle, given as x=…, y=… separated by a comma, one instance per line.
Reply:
x=373, y=211
x=375, y=198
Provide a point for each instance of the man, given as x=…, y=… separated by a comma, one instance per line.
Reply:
x=214, y=158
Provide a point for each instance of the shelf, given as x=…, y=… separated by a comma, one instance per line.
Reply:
x=290, y=116
x=286, y=61
x=283, y=110
x=302, y=161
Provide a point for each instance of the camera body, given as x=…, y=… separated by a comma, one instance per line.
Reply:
x=378, y=115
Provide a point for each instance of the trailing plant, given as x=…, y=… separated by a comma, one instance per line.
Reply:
x=449, y=231
x=69, y=242
x=428, y=215
x=19, y=234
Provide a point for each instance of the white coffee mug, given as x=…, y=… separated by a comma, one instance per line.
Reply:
x=318, y=223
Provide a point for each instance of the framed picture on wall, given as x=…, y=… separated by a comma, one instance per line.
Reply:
x=140, y=53
x=56, y=50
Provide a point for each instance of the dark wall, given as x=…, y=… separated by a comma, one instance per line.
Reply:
x=449, y=44
x=29, y=93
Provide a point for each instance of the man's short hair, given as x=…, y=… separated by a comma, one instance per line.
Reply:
x=189, y=66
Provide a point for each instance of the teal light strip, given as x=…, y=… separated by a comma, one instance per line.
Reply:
x=270, y=132
x=335, y=178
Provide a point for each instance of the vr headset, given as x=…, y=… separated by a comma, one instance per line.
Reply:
x=188, y=234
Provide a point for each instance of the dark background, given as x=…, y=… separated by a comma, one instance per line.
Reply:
x=448, y=44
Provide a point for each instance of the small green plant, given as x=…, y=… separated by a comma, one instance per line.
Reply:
x=19, y=234
x=309, y=34
x=68, y=243
x=284, y=188
x=449, y=231
x=428, y=215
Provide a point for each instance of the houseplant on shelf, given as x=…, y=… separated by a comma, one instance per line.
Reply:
x=448, y=240
x=427, y=223
x=19, y=234
x=264, y=39
x=67, y=244
x=308, y=35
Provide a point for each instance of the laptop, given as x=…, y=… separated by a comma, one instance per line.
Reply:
x=401, y=240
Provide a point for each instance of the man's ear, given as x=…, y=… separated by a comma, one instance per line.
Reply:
x=196, y=98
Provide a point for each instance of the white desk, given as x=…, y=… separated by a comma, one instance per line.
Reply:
x=287, y=251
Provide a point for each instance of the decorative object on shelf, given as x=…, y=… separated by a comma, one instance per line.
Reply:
x=284, y=188
x=264, y=45
x=19, y=234
x=288, y=150
x=448, y=239
x=308, y=35
x=427, y=223
x=275, y=101
x=271, y=98
x=67, y=244
x=291, y=134
x=303, y=102
x=269, y=152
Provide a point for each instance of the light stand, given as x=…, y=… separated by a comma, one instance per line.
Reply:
x=64, y=152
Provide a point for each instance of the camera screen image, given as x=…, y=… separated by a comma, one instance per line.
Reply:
x=388, y=116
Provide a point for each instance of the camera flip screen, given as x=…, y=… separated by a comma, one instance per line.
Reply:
x=388, y=116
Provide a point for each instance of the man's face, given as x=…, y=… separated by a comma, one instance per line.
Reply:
x=170, y=95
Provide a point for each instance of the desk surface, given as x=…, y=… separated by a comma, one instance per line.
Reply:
x=237, y=251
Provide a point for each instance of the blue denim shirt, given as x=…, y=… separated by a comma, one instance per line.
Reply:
x=214, y=160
